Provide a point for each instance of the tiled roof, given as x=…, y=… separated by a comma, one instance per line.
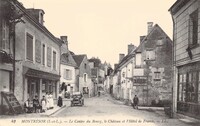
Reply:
x=67, y=59
x=79, y=59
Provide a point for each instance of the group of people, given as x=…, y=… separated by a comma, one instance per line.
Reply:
x=37, y=105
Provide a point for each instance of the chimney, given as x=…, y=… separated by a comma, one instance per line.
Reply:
x=131, y=47
x=150, y=26
x=121, y=56
x=141, y=38
x=115, y=66
x=64, y=39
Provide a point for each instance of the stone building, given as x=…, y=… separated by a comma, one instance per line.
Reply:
x=67, y=69
x=125, y=73
x=38, y=53
x=83, y=74
x=153, y=67
x=186, y=57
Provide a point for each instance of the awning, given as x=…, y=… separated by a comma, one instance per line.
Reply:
x=41, y=74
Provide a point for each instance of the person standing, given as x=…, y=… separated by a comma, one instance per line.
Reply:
x=60, y=102
x=43, y=103
x=47, y=100
x=51, y=105
x=135, y=102
x=36, y=104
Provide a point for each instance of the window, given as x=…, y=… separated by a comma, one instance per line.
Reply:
x=38, y=51
x=150, y=55
x=191, y=86
x=54, y=60
x=123, y=74
x=157, y=75
x=43, y=54
x=193, y=28
x=68, y=74
x=49, y=57
x=4, y=43
x=29, y=47
x=85, y=66
x=182, y=87
x=85, y=77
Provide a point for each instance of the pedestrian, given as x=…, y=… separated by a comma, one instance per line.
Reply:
x=47, y=100
x=135, y=102
x=43, y=103
x=51, y=105
x=36, y=104
x=60, y=102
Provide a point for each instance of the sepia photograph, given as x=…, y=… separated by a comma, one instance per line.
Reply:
x=100, y=62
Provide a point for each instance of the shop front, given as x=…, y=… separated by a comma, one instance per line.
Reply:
x=39, y=83
x=188, y=100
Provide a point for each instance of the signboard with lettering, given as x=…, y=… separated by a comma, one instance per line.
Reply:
x=140, y=80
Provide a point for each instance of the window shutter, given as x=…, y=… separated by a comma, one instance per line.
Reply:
x=38, y=51
x=49, y=57
x=29, y=47
x=64, y=74
x=54, y=60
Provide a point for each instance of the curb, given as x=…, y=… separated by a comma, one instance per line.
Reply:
x=57, y=110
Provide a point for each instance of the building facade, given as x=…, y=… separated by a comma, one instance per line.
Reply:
x=67, y=69
x=186, y=57
x=84, y=81
x=38, y=53
x=153, y=67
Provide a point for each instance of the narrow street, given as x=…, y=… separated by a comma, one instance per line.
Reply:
x=102, y=108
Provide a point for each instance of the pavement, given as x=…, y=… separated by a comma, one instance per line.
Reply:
x=66, y=102
x=160, y=111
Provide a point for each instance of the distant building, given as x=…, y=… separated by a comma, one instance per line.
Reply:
x=186, y=57
x=67, y=69
x=83, y=75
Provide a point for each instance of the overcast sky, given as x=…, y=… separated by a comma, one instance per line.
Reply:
x=103, y=28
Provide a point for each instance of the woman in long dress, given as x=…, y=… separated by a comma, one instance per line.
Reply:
x=47, y=100
x=43, y=103
x=51, y=105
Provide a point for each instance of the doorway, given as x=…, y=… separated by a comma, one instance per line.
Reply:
x=33, y=88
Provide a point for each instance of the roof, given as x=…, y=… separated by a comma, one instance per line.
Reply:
x=177, y=6
x=31, y=18
x=67, y=59
x=156, y=26
x=79, y=59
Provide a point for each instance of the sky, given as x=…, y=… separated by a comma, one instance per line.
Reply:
x=103, y=28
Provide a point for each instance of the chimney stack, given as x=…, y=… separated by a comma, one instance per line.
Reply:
x=121, y=56
x=150, y=27
x=115, y=66
x=131, y=47
x=141, y=38
x=64, y=39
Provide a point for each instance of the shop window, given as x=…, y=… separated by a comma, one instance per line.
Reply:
x=191, y=86
x=54, y=60
x=4, y=43
x=193, y=28
x=182, y=87
x=29, y=47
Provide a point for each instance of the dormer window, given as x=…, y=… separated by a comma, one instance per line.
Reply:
x=41, y=17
